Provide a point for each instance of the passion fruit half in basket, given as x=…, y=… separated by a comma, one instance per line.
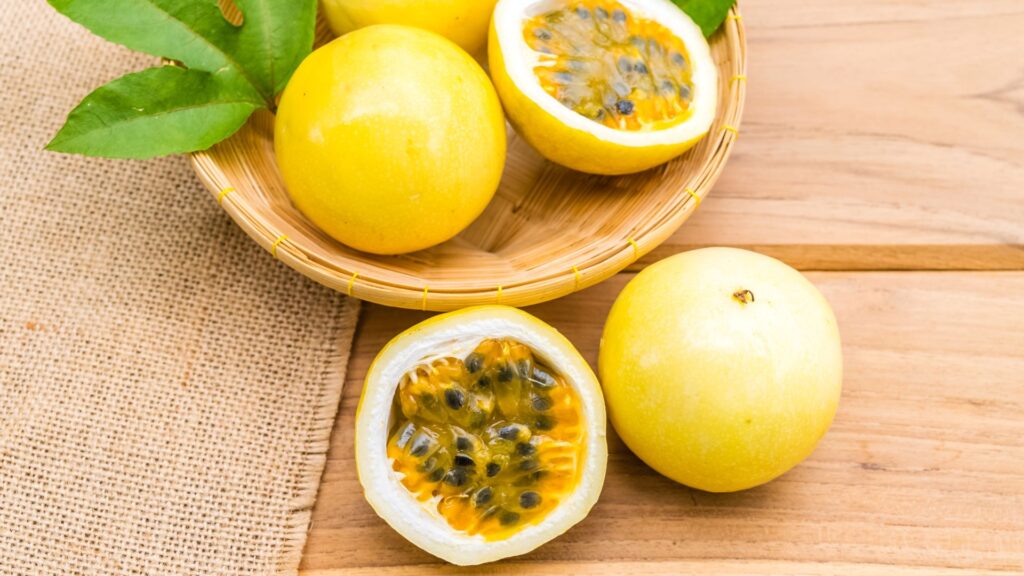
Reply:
x=480, y=435
x=603, y=86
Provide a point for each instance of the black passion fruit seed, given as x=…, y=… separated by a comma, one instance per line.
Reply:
x=529, y=500
x=541, y=403
x=454, y=398
x=509, y=518
x=456, y=477
x=496, y=436
x=483, y=495
x=420, y=447
x=528, y=465
x=509, y=432
x=474, y=363
x=542, y=379
x=524, y=449
x=505, y=373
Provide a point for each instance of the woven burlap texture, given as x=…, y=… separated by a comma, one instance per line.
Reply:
x=167, y=389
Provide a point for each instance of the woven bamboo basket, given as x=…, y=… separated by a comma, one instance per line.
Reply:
x=548, y=232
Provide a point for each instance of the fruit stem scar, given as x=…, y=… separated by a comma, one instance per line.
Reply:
x=743, y=296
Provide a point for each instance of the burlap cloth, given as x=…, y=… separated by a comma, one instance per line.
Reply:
x=167, y=389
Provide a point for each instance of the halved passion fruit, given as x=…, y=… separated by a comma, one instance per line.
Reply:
x=603, y=86
x=480, y=435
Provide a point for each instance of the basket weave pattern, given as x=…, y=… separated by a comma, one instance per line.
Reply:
x=548, y=232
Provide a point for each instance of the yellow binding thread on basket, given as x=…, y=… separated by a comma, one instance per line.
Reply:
x=426, y=291
x=730, y=128
x=223, y=193
x=273, y=247
x=734, y=17
x=695, y=197
x=576, y=279
x=499, y=294
x=636, y=249
x=352, y=281
x=738, y=78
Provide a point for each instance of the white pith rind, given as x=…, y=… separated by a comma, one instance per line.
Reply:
x=520, y=59
x=456, y=334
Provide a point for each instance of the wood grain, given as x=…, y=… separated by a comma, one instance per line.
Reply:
x=876, y=133
x=922, y=472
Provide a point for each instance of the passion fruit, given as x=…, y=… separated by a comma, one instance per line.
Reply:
x=480, y=435
x=390, y=139
x=722, y=368
x=603, y=86
x=461, y=21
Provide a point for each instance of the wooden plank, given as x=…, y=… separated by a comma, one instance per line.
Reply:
x=869, y=257
x=877, y=135
x=692, y=568
x=923, y=469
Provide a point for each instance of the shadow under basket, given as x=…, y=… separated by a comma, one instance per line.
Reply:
x=548, y=232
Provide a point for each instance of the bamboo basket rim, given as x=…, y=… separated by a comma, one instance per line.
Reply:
x=369, y=278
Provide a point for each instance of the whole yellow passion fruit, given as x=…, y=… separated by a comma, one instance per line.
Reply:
x=461, y=21
x=391, y=139
x=721, y=368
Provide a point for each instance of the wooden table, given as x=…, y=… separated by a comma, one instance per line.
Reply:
x=882, y=152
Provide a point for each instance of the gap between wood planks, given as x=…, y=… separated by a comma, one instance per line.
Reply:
x=869, y=257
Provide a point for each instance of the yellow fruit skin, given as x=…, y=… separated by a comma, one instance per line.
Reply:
x=559, y=143
x=461, y=21
x=391, y=139
x=714, y=393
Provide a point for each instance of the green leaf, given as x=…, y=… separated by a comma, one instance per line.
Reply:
x=187, y=31
x=263, y=52
x=274, y=39
x=231, y=71
x=159, y=111
x=708, y=14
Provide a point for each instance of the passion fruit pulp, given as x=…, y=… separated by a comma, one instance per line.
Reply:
x=599, y=60
x=603, y=86
x=494, y=438
x=480, y=435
